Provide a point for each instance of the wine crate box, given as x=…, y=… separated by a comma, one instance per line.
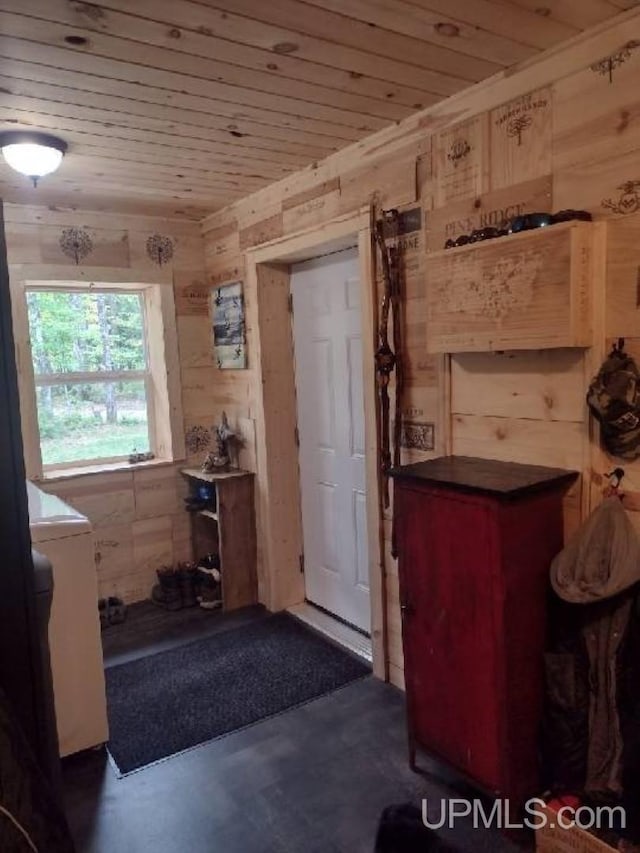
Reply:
x=524, y=291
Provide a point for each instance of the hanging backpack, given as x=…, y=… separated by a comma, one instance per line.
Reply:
x=614, y=400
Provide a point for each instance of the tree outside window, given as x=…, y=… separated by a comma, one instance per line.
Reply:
x=91, y=371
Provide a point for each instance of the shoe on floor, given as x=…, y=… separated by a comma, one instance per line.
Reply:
x=189, y=580
x=103, y=610
x=167, y=593
x=117, y=610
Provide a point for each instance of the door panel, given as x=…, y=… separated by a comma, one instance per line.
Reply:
x=356, y=403
x=449, y=631
x=328, y=356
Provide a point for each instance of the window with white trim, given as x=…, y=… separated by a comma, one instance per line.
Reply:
x=91, y=374
x=95, y=386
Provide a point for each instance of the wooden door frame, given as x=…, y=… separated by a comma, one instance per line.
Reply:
x=272, y=356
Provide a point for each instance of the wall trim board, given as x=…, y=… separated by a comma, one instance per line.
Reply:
x=594, y=458
x=102, y=275
x=32, y=214
x=277, y=477
x=339, y=233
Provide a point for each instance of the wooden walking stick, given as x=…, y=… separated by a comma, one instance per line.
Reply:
x=386, y=358
x=395, y=263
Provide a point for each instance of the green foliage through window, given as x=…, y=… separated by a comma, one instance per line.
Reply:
x=77, y=332
x=95, y=333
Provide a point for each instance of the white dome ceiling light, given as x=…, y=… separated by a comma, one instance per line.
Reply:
x=32, y=153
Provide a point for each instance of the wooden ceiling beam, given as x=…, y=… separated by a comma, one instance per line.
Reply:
x=131, y=188
x=192, y=73
x=576, y=13
x=77, y=133
x=318, y=21
x=92, y=172
x=274, y=70
x=401, y=16
x=207, y=126
x=102, y=158
x=538, y=31
x=95, y=162
x=110, y=124
x=194, y=172
x=625, y=4
x=138, y=182
x=226, y=30
x=195, y=53
x=164, y=91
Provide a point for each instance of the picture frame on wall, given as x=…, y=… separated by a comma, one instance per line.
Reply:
x=228, y=326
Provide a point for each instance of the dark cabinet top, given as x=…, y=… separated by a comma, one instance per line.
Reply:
x=504, y=480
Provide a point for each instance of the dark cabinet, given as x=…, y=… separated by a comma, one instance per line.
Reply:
x=475, y=539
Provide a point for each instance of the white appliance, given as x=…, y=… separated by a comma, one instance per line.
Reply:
x=66, y=537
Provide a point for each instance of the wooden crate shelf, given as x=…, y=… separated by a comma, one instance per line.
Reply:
x=229, y=531
x=524, y=291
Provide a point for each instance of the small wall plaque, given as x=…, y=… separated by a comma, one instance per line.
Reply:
x=417, y=436
x=227, y=311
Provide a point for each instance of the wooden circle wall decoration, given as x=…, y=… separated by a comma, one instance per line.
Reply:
x=76, y=243
x=197, y=438
x=160, y=249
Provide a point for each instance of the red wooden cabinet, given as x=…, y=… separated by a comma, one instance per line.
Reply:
x=475, y=539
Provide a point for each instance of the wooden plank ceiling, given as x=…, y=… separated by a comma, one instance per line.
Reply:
x=179, y=107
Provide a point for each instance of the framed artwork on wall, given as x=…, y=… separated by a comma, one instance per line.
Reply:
x=227, y=313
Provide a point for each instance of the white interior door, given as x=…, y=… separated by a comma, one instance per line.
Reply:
x=328, y=355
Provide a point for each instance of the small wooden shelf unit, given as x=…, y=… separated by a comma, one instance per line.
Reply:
x=229, y=531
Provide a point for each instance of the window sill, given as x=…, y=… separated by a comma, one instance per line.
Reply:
x=102, y=468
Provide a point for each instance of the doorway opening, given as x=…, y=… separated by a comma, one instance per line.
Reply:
x=292, y=551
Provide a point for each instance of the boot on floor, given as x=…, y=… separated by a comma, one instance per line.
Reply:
x=167, y=593
x=117, y=610
x=210, y=596
x=189, y=584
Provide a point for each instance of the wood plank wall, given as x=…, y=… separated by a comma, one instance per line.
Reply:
x=137, y=514
x=561, y=132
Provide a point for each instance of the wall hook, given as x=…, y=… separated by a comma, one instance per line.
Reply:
x=615, y=478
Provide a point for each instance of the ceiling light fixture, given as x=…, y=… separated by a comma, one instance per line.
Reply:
x=32, y=153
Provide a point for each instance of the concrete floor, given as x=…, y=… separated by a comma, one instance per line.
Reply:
x=314, y=778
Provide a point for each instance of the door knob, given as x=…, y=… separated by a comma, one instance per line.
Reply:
x=406, y=609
